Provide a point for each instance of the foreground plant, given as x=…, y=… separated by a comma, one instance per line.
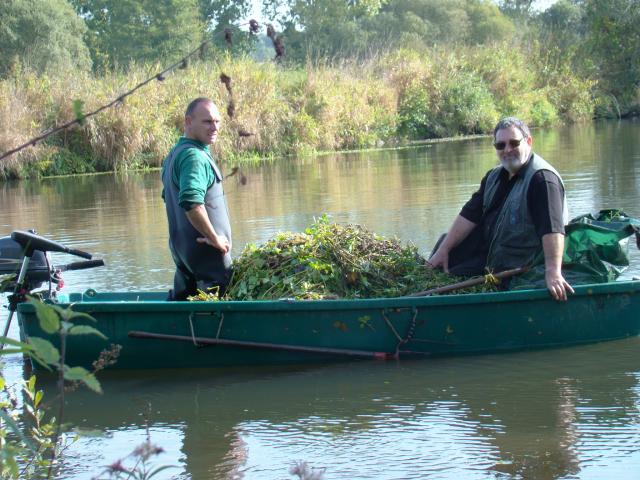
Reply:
x=26, y=439
x=136, y=465
x=29, y=444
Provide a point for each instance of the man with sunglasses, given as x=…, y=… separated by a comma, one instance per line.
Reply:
x=519, y=207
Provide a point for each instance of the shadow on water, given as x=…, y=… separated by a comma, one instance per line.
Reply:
x=533, y=415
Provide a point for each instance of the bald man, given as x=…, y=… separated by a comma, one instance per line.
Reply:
x=199, y=226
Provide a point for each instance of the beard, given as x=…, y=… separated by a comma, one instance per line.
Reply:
x=512, y=162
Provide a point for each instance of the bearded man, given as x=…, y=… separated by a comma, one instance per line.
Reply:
x=519, y=207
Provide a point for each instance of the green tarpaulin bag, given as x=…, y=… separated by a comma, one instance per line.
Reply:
x=595, y=250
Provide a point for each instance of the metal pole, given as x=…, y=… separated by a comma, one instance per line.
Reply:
x=16, y=290
x=268, y=346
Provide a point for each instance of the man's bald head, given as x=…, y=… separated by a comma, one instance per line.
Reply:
x=202, y=121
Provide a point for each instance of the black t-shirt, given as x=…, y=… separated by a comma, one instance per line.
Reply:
x=545, y=197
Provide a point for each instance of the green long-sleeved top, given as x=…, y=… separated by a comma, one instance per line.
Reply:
x=192, y=172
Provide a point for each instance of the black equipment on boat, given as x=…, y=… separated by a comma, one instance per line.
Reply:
x=25, y=256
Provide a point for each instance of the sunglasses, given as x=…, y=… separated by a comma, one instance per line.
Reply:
x=513, y=143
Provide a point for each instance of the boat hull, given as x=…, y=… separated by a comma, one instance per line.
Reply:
x=213, y=334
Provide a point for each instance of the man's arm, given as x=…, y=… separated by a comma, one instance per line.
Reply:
x=553, y=247
x=195, y=175
x=469, y=218
x=460, y=229
x=200, y=221
x=546, y=202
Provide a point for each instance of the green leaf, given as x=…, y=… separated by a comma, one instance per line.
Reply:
x=5, y=281
x=75, y=373
x=77, y=110
x=17, y=430
x=81, y=374
x=49, y=320
x=86, y=330
x=45, y=351
x=2, y=383
x=74, y=315
x=8, y=351
x=69, y=315
x=38, y=399
x=92, y=382
x=15, y=343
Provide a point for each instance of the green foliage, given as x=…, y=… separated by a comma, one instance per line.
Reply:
x=446, y=100
x=437, y=92
x=516, y=8
x=28, y=443
x=613, y=39
x=77, y=110
x=124, y=31
x=6, y=281
x=26, y=440
x=47, y=37
x=591, y=46
x=141, y=468
x=339, y=29
x=542, y=112
x=329, y=261
x=487, y=24
x=219, y=15
x=60, y=321
x=414, y=112
x=466, y=107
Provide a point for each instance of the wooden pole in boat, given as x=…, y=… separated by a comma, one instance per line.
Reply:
x=267, y=346
x=471, y=282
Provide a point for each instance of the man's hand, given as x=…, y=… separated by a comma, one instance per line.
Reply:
x=439, y=259
x=220, y=242
x=460, y=229
x=200, y=220
x=557, y=285
x=553, y=247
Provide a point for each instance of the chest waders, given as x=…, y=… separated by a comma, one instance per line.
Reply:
x=199, y=265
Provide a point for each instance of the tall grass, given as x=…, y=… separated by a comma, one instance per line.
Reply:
x=403, y=95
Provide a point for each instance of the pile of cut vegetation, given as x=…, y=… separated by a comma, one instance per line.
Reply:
x=330, y=261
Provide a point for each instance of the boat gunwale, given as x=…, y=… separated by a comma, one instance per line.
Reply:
x=98, y=305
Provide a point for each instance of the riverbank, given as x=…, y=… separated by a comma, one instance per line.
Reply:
x=394, y=100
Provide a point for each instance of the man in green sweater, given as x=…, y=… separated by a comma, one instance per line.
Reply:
x=199, y=226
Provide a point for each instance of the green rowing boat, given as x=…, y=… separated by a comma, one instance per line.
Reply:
x=155, y=333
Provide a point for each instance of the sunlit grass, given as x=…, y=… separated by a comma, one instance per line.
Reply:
x=404, y=95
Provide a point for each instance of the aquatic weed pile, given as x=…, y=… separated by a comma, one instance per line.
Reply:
x=330, y=261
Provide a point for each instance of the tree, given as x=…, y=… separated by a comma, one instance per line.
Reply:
x=219, y=15
x=517, y=8
x=561, y=33
x=125, y=31
x=46, y=38
x=322, y=29
x=487, y=23
x=614, y=42
x=343, y=28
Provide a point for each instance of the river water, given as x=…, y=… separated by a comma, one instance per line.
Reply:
x=565, y=413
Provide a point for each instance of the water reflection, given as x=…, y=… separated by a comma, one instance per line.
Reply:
x=531, y=415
